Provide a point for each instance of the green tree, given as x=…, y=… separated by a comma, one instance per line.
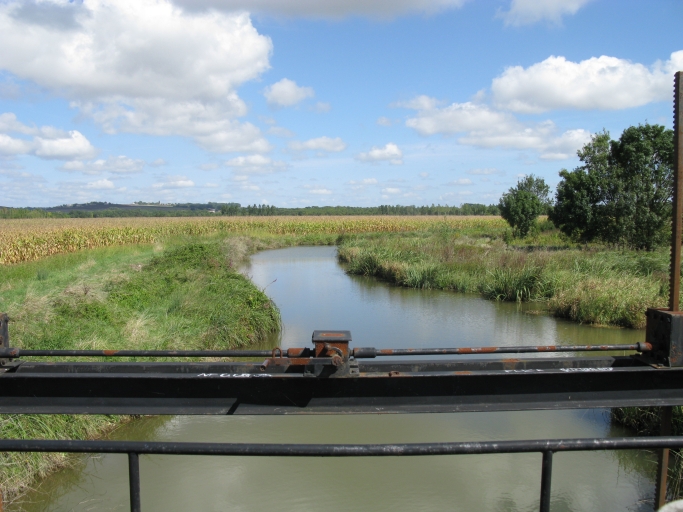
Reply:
x=621, y=194
x=523, y=203
x=580, y=194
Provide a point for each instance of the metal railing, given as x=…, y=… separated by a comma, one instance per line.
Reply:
x=547, y=447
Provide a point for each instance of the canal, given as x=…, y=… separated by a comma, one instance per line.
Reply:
x=313, y=292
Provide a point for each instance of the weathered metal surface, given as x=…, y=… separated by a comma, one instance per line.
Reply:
x=379, y=386
x=675, y=270
x=664, y=332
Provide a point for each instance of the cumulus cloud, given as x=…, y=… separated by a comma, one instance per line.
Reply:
x=114, y=164
x=390, y=152
x=103, y=184
x=329, y=9
x=286, y=93
x=321, y=107
x=487, y=171
x=604, y=83
x=332, y=145
x=320, y=191
x=46, y=141
x=141, y=66
x=383, y=121
x=461, y=181
x=391, y=190
x=255, y=164
x=174, y=182
x=484, y=126
x=526, y=12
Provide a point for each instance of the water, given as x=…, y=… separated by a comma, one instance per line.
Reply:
x=313, y=292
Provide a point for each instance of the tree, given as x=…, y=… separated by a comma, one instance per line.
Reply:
x=622, y=193
x=580, y=194
x=523, y=203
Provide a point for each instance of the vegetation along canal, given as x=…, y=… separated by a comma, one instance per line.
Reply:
x=313, y=292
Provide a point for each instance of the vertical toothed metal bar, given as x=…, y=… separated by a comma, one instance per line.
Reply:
x=675, y=276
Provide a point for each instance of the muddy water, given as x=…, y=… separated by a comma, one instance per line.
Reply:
x=313, y=292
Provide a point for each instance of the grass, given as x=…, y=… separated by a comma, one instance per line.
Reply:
x=591, y=285
x=187, y=294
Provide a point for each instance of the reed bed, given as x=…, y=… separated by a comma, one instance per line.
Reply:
x=32, y=239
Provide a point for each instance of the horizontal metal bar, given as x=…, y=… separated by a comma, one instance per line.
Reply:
x=340, y=450
x=370, y=352
x=404, y=386
x=360, y=353
x=18, y=352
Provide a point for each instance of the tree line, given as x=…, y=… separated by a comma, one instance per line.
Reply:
x=96, y=210
x=621, y=194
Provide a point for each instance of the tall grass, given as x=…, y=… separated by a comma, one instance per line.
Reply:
x=187, y=296
x=587, y=285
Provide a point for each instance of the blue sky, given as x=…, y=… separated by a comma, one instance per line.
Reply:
x=297, y=103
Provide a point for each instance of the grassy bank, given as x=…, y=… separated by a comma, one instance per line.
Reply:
x=588, y=285
x=184, y=295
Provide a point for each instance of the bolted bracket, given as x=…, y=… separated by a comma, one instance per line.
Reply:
x=664, y=331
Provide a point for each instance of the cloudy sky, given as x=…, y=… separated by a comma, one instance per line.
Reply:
x=308, y=102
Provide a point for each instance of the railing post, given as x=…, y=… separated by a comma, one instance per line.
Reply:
x=134, y=481
x=546, y=476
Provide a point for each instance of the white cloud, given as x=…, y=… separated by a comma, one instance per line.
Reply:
x=286, y=93
x=488, y=171
x=114, y=164
x=391, y=190
x=604, y=83
x=255, y=164
x=174, y=182
x=320, y=191
x=279, y=131
x=483, y=126
x=331, y=9
x=321, y=107
x=461, y=181
x=421, y=102
x=384, y=121
x=526, y=12
x=333, y=145
x=159, y=162
x=141, y=66
x=390, y=152
x=46, y=142
x=103, y=184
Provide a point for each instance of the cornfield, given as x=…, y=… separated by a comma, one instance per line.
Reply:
x=32, y=239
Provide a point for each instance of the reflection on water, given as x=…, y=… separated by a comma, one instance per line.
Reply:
x=313, y=292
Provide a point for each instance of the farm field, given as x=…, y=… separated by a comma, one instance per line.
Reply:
x=33, y=239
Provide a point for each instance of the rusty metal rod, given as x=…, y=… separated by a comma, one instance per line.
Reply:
x=369, y=352
x=360, y=353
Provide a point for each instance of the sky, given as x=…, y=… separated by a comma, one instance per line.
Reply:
x=305, y=102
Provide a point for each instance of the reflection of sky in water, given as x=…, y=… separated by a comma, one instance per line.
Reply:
x=313, y=292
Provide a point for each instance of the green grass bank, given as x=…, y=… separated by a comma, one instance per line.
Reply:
x=185, y=294
x=591, y=285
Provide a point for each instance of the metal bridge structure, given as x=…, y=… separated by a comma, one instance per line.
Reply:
x=331, y=376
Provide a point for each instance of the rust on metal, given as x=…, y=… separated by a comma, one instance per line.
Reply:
x=110, y=352
x=677, y=210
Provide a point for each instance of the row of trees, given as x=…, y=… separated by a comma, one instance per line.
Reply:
x=620, y=195
x=385, y=209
